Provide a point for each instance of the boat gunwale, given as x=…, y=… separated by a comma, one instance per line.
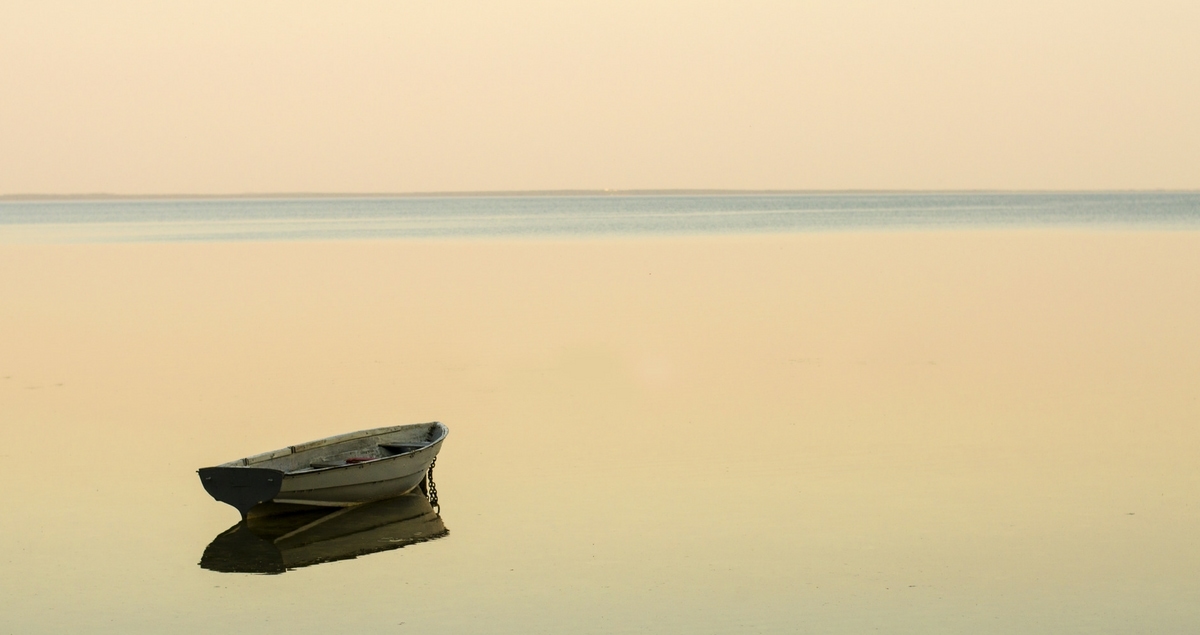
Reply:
x=348, y=436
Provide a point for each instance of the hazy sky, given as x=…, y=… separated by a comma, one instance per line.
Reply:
x=246, y=96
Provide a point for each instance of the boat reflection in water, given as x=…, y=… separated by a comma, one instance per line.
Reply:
x=281, y=542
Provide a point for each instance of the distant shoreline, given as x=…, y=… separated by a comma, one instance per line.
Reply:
x=103, y=196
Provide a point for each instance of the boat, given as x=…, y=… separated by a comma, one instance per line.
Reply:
x=339, y=471
x=277, y=544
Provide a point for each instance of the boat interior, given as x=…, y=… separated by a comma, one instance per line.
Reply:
x=348, y=449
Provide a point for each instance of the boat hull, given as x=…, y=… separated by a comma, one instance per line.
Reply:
x=360, y=483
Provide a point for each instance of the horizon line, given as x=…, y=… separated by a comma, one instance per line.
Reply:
x=560, y=192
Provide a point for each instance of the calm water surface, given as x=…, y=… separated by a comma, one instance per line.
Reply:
x=945, y=421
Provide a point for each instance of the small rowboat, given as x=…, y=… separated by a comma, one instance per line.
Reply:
x=340, y=471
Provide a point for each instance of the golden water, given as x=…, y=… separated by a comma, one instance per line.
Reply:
x=909, y=432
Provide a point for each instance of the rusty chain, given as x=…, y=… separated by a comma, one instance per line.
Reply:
x=431, y=488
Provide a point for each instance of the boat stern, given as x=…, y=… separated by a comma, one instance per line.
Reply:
x=241, y=487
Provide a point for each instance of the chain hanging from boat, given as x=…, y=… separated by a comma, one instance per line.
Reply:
x=431, y=488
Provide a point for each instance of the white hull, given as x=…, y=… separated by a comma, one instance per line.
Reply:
x=354, y=483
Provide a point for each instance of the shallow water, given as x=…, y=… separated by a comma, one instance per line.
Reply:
x=926, y=431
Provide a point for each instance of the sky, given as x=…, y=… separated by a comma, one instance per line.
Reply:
x=247, y=96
